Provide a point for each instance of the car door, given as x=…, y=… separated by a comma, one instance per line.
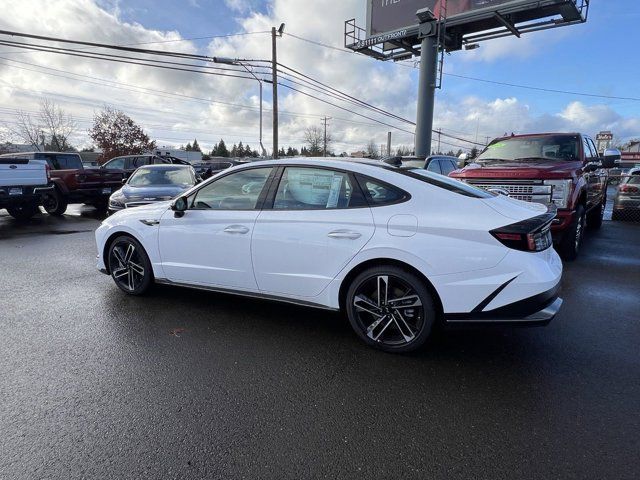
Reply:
x=210, y=244
x=316, y=222
x=593, y=177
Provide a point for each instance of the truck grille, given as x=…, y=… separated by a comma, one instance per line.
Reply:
x=528, y=191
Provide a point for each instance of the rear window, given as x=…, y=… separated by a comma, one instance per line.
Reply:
x=61, y=161
x=454, y=186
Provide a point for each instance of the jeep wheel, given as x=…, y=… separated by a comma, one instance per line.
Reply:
x=54, y=203
x=572, y=241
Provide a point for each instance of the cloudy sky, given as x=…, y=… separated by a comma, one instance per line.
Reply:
x=174, y=107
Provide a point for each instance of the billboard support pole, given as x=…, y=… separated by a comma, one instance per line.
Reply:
x=426, y=91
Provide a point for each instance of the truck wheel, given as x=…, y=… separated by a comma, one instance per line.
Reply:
x=595, y=216
x=572, y=241
x=23, y=212
x=54, y=203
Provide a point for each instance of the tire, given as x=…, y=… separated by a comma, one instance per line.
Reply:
x=23, y=212
x=129, y=265
x=408, y=326
x=595, y=216
x=55, y=203
x=572, y=241
x=101, y=206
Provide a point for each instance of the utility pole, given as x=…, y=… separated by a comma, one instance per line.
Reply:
x=274, y=83
x=388, y=144
x=439, y=134
x=427, y=82
x=324, y=150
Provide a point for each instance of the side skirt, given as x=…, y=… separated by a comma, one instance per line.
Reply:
x=260, y=296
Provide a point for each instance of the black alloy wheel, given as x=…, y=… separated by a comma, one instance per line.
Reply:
x=129, y=266
x=573, y=237
x=390, y=309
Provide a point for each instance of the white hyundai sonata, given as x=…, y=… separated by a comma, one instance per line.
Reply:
x=396, y=249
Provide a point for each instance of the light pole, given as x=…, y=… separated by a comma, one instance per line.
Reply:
x=233, y=61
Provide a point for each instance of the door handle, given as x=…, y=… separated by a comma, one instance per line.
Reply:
x=344, y=234
x=241, y=229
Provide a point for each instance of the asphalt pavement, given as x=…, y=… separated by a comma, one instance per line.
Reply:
x=191, y=384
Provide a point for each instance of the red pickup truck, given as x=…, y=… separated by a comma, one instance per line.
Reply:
x=563, y=168
x=73, y=182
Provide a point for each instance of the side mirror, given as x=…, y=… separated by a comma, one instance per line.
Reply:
x=179, y=206
x=611, y=157
x=124, y=180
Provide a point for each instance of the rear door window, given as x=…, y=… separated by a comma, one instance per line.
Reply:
x=378, y=193
x=446, y=166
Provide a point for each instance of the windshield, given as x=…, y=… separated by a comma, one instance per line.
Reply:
x=147, y=177
x=547, y=147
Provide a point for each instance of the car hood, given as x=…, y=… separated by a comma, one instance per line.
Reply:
x=151, y=192
x=152, y=211
x=515, y=209
x=533, y=169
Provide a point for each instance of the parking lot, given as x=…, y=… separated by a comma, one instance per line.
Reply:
x=189, y=384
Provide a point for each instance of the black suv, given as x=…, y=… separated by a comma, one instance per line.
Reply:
x=127, y=164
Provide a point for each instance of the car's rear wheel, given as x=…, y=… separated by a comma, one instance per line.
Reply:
x=390, y=309
x=54, y=203
x=572, y=241
x=23, y=212
x=129, y=266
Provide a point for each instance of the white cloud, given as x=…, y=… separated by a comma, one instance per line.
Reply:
x=174, y=120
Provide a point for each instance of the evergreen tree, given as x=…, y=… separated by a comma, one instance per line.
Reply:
x=222, y=150
x=240, y=150
x=247, y=151
x=195, y=147
x=255, y=154
x=234, y=151
x=188, y=147
x=214, y=151
x=282, y=153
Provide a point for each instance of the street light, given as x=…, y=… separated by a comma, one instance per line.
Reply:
x=234, y=61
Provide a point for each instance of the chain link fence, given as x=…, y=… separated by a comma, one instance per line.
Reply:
x=623, y=197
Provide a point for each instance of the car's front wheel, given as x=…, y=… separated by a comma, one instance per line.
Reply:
x=572, y=241
x=390, y=309
x=129, y=266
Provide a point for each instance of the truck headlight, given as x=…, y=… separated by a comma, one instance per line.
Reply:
x=560, y=192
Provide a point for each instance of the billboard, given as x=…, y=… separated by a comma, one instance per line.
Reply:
x=384, y=16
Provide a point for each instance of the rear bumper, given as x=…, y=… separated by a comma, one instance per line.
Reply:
x=30, y=194
x=537, y=310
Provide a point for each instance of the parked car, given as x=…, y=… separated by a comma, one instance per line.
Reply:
x=151, y=184
x=397, y=249
x=127, y=164
x=442, y=164
x=73, y=183
x=22, y=184
x=626, y=203
x=210, y=168
x=563, y=168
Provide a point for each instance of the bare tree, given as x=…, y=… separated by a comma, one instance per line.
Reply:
x=57, y=124
x=372, y=149
x=49, y=130
x=314, y=139
x=28, y=130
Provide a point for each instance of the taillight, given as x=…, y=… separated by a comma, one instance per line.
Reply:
x=531, y=235
x=626, y=188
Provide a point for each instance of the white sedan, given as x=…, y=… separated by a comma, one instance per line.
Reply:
x=396, y=249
